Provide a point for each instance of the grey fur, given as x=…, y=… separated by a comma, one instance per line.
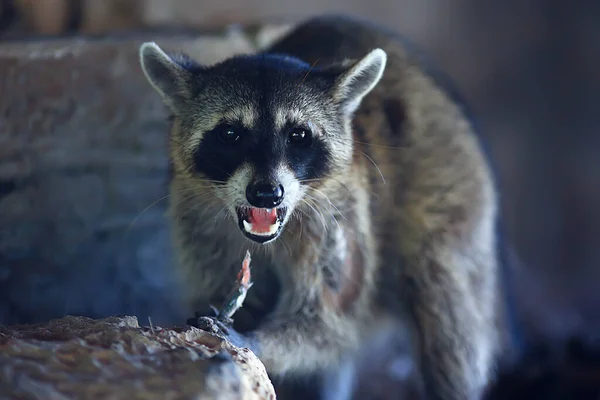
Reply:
x=401, y=225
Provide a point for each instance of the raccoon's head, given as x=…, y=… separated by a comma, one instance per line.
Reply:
x=262, y=128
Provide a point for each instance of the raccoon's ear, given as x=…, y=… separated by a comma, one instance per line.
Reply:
x=359, y=79
x=169, y=76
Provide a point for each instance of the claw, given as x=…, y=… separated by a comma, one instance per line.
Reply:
x=214, y=309
x=222, y=325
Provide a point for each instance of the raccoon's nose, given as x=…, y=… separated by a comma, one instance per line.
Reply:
x=264, y=194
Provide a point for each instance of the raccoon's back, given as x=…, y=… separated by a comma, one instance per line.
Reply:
x=333, y=38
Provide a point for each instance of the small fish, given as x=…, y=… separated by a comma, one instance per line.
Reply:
x=236, y=297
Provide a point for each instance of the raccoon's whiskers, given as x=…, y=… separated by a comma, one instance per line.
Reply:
x=308, y=201
x=347, y=141
x=322, y=194
x=182, y=214
x=189, y=197
x=146, y=209
x=301, y=228
x=171, y=138
x=285, y=246
x=158, y=201
x=299, y=213
x=211, y=181
x=310, y=69
x=320, y=180
x=224, y=208
x=375, y=164
x=315, y=201
x=378, y=145
x=189, y=193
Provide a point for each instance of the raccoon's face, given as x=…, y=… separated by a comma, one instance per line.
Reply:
x=262, y=129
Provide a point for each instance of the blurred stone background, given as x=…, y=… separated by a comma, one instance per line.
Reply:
x=82, y=142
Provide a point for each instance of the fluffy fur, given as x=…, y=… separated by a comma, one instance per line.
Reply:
x=390, y=210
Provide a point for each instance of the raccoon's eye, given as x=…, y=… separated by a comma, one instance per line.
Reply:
x=228, y=134
x=300, y=137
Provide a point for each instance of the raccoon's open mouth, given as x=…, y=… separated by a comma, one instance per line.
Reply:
x=261, y=224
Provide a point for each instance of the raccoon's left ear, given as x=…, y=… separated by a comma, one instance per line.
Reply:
x=359, y=79
x=169, y=76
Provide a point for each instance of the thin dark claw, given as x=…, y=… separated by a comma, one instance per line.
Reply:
x=222, y=326
x=214, y=310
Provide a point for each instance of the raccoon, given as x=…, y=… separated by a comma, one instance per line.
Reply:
x=360, y=187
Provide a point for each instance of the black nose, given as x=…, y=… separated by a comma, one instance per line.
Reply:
x=264, y=194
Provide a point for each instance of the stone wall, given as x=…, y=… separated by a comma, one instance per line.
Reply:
x=82, y=173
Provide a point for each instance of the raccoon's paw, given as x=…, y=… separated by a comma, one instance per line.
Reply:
x=221, y=329
x=210, y=311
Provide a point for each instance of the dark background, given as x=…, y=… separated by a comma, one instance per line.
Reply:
x=82, y=145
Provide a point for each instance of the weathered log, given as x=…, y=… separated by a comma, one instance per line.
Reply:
x=115, y=358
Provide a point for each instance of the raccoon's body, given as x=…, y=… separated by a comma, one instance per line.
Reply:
x=361, y=190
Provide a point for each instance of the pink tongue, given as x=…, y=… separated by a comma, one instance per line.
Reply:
x=261, y=219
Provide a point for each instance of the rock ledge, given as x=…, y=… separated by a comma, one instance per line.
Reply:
x=115, y=358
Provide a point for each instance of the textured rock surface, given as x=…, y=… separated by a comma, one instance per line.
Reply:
x=114, y=358
x=82, y=156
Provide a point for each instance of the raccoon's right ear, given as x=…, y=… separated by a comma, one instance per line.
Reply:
x=170, y=77
x=359, y=79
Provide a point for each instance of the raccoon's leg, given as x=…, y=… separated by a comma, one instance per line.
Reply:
x=302, y=344
x=454, y=317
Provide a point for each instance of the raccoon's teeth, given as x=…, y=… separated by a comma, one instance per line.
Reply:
x=272, y=229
